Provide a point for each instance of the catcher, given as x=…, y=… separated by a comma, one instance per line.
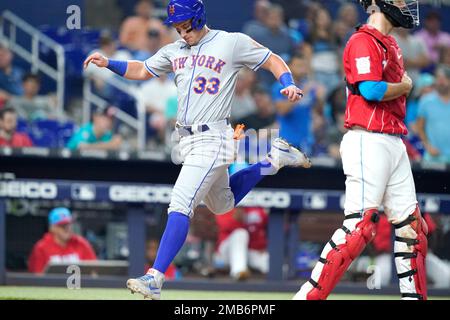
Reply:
x=374, y=157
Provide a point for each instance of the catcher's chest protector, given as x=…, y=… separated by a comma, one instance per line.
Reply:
x=393, y=66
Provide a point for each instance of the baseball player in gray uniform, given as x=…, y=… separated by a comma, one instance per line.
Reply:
x=205, y=63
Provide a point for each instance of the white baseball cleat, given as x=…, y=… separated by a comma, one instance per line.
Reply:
x=283, y=154
x=149, y=285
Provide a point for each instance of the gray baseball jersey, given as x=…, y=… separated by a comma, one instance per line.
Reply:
x=205, y=74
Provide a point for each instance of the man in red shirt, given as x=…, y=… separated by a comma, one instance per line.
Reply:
x=242, y=241
x=374, y=157
x=8, y=135
x=60, y=244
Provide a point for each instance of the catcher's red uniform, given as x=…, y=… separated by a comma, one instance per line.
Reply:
x=372, y=56
x=378, y=171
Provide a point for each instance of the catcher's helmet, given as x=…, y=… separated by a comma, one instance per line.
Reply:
x=182, y=10
x=401, y=13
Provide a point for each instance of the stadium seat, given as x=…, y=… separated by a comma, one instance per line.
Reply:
x=64, y=133
x=44, y=133
x=22, y=125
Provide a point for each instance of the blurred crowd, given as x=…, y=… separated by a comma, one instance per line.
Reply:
x=311, y=42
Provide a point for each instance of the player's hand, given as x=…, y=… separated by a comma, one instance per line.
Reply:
x=408, y=82
x=96, y=58
x=434, y=152
x=293, y=93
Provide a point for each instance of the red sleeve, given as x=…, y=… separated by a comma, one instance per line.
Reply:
x=226, y=222
x=364, y=59
x=87, y=253
x=37, y=260
x=27, y=141
x=21, y=140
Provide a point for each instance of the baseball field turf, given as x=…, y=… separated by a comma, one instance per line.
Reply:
x=48, y=293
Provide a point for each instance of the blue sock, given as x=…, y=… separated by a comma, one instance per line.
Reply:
x=174, y=236
x=243, y=181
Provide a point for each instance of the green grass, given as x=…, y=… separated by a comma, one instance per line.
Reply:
x=46, y=293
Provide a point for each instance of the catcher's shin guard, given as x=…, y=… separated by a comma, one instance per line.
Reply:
x=410, y=252
x=339, y=258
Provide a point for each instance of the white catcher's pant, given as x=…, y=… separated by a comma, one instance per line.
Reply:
x=204, y=175
x=234, y=252
x=378, y=174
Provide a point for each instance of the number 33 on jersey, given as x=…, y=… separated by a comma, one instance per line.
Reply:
x=205, y=74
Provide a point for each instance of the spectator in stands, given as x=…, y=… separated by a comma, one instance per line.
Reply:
x=154, y=43
x=295, y=119
x=444, y=57
x=108, y=48
x=433, y=119
x=155, y=95
x=422, y=86
x=98, y=133
x=344, y=26
x=243, y=103
x=8, y=135
x=321, y=50
x=433, y=37
x=414, y=52
x=257, y=25
x=305, y=24
x=242, y=241
x=10, y=76
x=293, y=9
x=264, y=117
x=336, y=130
x=276, y=36
x=32, y=106
x=60, y=244
x=134, y=30
x=349, y=15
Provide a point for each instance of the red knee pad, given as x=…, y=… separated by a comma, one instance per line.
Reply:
x=341, y=256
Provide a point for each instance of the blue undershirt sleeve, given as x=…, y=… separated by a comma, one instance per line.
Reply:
x=373, y=90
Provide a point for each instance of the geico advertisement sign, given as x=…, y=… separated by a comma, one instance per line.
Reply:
x=267, y=199
x=30, y=190
x=151, y=194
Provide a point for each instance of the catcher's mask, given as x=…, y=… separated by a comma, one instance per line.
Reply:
x=401, y=13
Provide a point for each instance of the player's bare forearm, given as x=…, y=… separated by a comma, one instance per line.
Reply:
x=280, y=70
x=276, y=65
x=131, y=69
x=136, y=71
x=395, y=90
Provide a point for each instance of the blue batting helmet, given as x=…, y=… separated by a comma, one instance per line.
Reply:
x=182, y=10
